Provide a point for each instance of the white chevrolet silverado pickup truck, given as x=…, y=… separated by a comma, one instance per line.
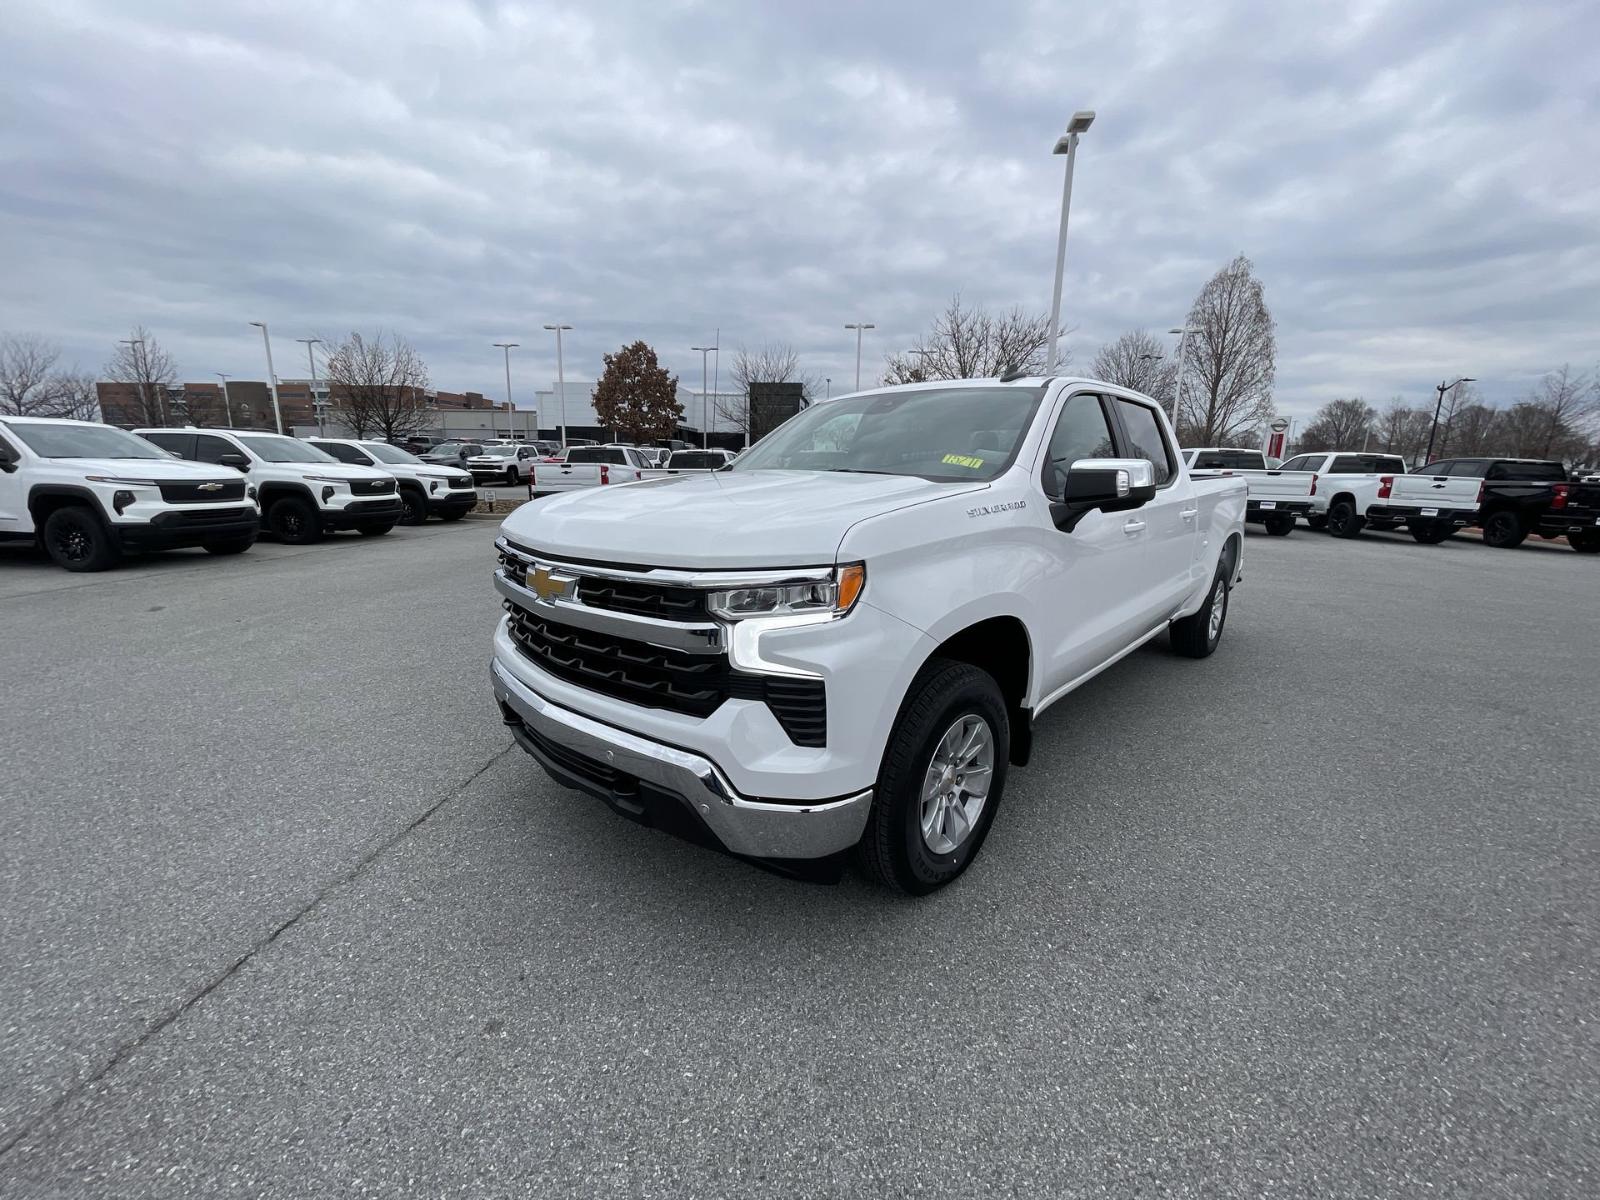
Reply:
x=587, y=467
x=843, y=640
x=1278, y=495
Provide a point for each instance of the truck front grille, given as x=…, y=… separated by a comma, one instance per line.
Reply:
x=203, y=491
x=371, y=487
x=643, y=599
x=659, y=677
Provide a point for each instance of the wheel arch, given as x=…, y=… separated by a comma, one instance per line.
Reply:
x=1001, y=647
x=46, y=498
x=274, y=490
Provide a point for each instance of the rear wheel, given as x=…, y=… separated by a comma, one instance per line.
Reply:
x=413, y=507
x=1431, y=533
x=940, y=782
x=1344, y=521
x=1585, y=541
x=1504, y=531
x=76, y=539
x=1281, y=525
x=1197, y=636
x=375, y=530
x=233, y=545
x=294, y=521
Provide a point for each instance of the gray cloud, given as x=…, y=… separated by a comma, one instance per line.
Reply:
x=1416, y=182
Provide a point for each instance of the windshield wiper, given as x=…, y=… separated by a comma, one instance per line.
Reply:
x=855, y=471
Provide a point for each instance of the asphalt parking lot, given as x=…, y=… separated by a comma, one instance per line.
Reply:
x=286, y=916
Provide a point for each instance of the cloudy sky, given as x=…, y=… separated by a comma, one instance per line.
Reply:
x=1417, y=183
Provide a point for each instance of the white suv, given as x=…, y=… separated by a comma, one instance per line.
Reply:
x=426, y=489
x=88, y=492
x=302, y=491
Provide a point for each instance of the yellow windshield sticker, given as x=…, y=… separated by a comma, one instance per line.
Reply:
x=963, y=460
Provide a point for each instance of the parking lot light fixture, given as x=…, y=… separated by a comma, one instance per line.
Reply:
x=1183, y=332
x=1066, y=144
x=1441, y=388
x=272, y=378
x=561, y=380
x=860, y=328
x=705, y=425
x=226, y=407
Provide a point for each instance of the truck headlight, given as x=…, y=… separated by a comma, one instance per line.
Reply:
x=836, y=595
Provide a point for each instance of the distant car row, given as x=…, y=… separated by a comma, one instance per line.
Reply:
x=89, y=492
x=1346, y=492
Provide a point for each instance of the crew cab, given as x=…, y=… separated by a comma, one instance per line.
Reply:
x=303, y=491
x=698, y=460
x=509, y=464
x=88, y=493
x=1513, y=497
x=426, y=490
x=1338, y=471
x=1277, y=495
x=843, y=641
x=589, y=466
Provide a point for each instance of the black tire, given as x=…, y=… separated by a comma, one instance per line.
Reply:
x=77, y=540
x=511, y=477
x=294, y=521
x=1585, y=541
x=1344, y=521
x=375, y=530
x=413, y=507
x=455, y=514
x=233, y=545
x=1281, y=525
x=1431, y=533
x=1318, y=522
x=1193, y=636
x=1504, y=530
x=893, y=848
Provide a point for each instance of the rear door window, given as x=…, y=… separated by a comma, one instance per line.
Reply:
x=1532, y=472
x=1142, y=431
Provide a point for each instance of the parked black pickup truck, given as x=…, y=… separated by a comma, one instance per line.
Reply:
x=1519, y=496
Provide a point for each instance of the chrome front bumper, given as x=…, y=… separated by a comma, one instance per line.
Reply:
x=751, y=828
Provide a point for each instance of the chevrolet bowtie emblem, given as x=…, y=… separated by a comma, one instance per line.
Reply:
x=209, y=487
x=546, y=584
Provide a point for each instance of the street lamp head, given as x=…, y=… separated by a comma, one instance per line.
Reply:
x=506, y=345
x=861, y=325
x=1081, y=120
x=259, y=324
x=555, y=327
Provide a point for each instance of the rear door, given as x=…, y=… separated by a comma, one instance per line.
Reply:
x=1165, y=529
x=13, y=499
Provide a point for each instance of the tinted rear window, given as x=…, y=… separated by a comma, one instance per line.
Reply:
x=1367, y=464
x=1544, y=472
x=696, y=460
x=1229, y=460
x=595, y=454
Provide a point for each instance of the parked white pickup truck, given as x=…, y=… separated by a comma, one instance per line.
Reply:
x=1340, y=475
x=1277, y=495
x=1430, y=507
x=589, y=466
x=843, y=640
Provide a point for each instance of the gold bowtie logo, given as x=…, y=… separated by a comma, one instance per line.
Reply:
x=546, y=584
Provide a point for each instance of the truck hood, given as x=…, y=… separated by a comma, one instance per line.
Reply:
x=335, y=470
x=718, y=518
x=175, y=469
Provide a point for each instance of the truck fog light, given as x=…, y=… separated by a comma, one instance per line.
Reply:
x=433, y=485
x=327, y=494
x=121, y=500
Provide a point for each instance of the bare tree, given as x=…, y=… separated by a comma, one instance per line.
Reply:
x=379, y=384
x=73, y=394
x=1568, y=402
x=770, y=362
x=1231, y=359
x=973, y=343
x=1136, y=360
x=149, y=374
x=1404, y=429
x=1339, y=425
x=27, y=366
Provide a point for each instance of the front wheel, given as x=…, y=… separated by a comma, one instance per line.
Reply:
x=294, y=521
x=76, y=540
x=941, y=779
x=1280, y=525
x=1585, y=541
x=1504, y=531
x=413, y=507
x=1197, y=635
x=1344, y=521
x=511, y=477
x=1432, y=533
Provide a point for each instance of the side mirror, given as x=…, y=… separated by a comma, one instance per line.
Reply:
x=8, y=461
x=1107, y=484
x=237, y=461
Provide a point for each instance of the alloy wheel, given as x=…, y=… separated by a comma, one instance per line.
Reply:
x=955, y=786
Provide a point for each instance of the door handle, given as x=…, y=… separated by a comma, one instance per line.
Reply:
x=1133, y=527
x=1189, y=514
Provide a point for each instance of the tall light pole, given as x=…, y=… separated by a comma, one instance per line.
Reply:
x=272, y=378
x=561, y=381
x=226, y=407
x=511, y=409
x=1442, y=388
x=827, y=387
x=860, y=328
x=316, y=405
x=704, y=352
x=1066, y=144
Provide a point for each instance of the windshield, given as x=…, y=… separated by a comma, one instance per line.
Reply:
x=498, y=451
x=273, y=448
x=965, y=433
x=84, y=441
x=389, y=454
x=454, y=448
